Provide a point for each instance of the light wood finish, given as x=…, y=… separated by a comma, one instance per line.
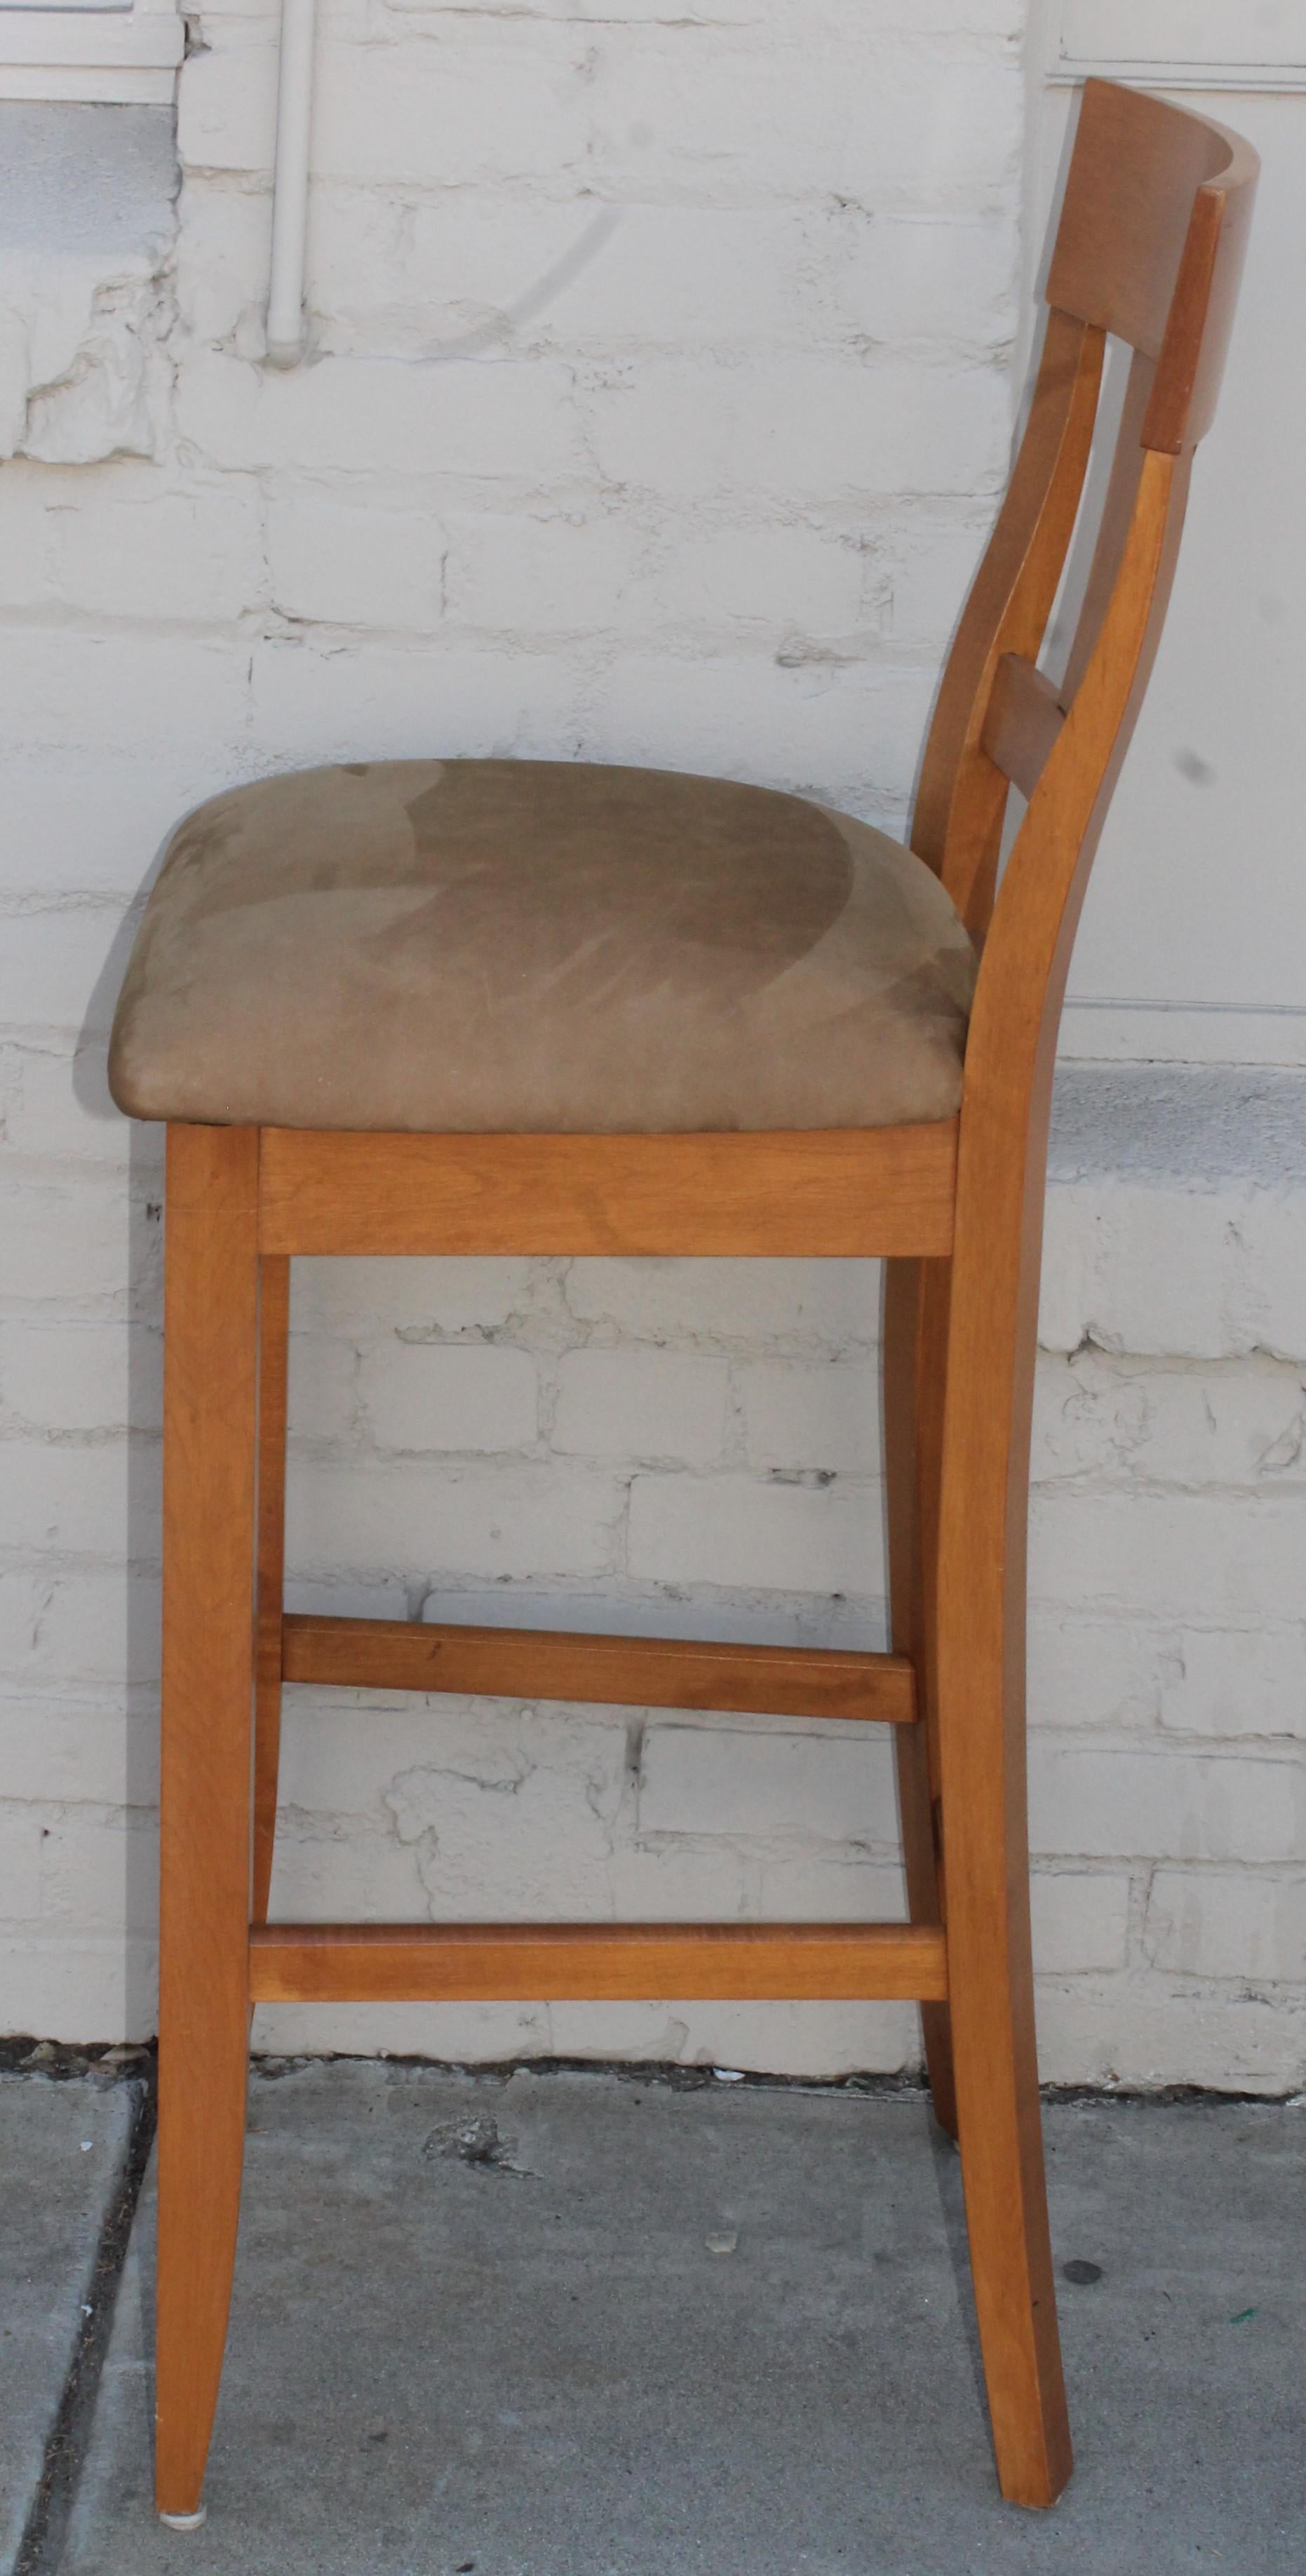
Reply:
x=995, y=1267
x=595, y=1962
x=273, y=1343
x=990, y=725
x=618, y=1672
x=1024, y=718
x=210, y=1349
x=962, y=802
x=849, y=1192
x=985, y=1472
x=1151, y=243
x=1155, y=218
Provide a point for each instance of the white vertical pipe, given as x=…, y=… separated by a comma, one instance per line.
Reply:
x=290, y=183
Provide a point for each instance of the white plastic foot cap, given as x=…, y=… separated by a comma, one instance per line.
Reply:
x=185, y=2521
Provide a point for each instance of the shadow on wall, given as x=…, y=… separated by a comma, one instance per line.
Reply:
x=144, y=1416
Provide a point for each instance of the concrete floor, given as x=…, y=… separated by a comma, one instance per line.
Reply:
x=63, y=2160
x=595, y=2325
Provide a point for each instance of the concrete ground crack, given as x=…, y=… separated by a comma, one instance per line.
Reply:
x=41, y=2549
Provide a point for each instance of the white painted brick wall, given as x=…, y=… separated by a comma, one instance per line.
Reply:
x=432, y=1396
x=661, y=1405
x=660, y=391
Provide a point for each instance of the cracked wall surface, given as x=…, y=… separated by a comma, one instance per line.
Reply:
x=660, y=388
x=86, y=240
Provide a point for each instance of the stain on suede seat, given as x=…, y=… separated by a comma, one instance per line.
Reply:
x=523, y=945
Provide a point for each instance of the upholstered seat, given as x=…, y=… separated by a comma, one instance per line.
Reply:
x=500, y=945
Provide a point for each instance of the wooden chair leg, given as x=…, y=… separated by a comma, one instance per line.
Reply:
x=210, y=1363
x=273, y=1332
x=915, y=1356
x=981, y=1687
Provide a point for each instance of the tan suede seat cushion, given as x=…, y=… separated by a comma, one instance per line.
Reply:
x=500, y=945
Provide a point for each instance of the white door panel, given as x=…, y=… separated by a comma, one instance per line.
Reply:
x=1191, y=35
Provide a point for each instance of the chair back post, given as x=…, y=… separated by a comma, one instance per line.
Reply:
x=1129, y=152
x=1138, y=257
x=1150, y=247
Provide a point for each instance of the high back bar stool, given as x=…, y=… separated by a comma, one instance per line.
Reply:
x=492, y=1007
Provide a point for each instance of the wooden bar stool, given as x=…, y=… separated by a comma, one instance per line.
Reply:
x=493, y=1007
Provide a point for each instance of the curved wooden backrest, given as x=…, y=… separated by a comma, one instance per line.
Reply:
x=1149, y=249
x=1150, y=246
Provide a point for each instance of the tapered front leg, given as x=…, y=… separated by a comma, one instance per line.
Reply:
x=273, y=1337
x=209, y=1443
x=915, y=1360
